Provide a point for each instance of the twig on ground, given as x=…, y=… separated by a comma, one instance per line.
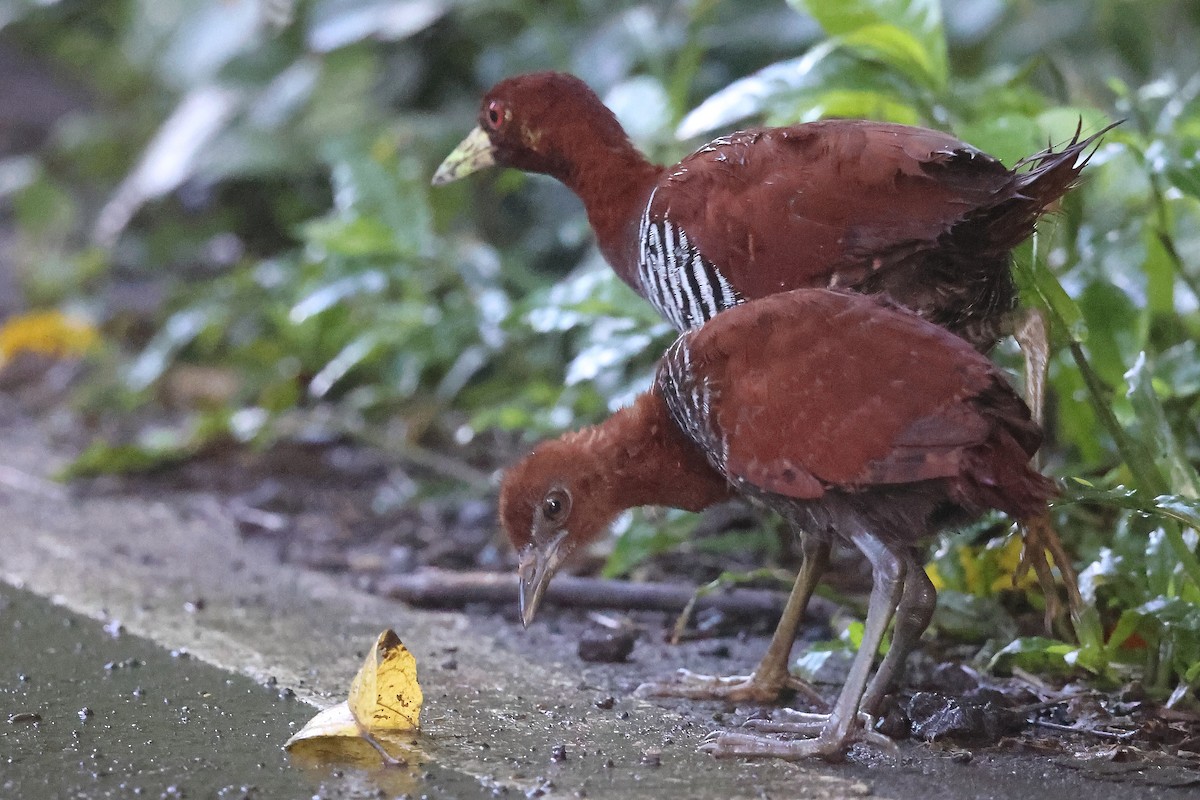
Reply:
x=1055, y=726
x=439, y=588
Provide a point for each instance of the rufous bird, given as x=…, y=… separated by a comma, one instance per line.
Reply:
x=868, y=206
x=854, y=420
x=874, y=207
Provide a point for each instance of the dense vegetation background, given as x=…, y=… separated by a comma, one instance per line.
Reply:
x=234, y=194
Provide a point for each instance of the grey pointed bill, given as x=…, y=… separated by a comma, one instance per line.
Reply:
x=536, y=567
x=472, y=154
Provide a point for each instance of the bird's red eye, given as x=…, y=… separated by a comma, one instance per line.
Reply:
x=556, y=505
x=496, y=114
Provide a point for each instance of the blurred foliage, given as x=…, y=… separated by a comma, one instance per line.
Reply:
x=243, y=184
x=50, y=333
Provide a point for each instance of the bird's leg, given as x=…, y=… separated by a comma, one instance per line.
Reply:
x=912, y=618
x=917, y=602
x=844, y=723
x=771, y=677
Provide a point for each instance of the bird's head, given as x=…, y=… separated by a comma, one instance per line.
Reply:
x=552, y=504
x=534, y=123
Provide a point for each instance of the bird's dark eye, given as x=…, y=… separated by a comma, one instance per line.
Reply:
x=556, y=505
x=495, y=114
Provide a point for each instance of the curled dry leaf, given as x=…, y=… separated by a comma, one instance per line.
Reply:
x=379, y=719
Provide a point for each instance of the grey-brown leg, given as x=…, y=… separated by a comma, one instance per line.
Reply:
x=771, y=677
x=912, y=618
x=843, y=724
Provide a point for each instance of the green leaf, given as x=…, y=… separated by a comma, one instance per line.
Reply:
x=866, y=23
x=966, y=617
x=1156, y=429
x=638, y=539
x=1127, y=625
x=755, y=93
x=898, y=49
x=1036, y=654
x=1007, y=136
x=1180, y=509
x=864, y=104
x=1065, y=314
x=1177, y=371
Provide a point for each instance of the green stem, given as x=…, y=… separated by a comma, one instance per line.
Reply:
x=1183, y=553
x=687, y=63
x=1140, y=462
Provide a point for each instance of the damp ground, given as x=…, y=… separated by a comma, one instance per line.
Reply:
x=508, y=712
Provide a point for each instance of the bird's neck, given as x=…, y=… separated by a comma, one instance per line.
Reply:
x=614, y=181
x=648, y=460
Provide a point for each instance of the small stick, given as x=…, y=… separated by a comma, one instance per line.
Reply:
x=1054, y=726
x=437, y=588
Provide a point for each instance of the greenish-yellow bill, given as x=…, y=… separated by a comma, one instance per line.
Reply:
x=472, y=154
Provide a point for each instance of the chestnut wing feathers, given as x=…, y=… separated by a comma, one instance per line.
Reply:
x=757, y=203
x=778, y=403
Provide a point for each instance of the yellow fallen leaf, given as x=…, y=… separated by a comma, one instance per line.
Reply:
x=385, y=695
x=383, y=711
x=50, y=333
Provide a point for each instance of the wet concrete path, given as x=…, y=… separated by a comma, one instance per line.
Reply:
x=91, y=711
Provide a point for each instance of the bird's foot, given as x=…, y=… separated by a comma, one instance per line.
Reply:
x=751, y=688
x=828, y=743
x=789, y=720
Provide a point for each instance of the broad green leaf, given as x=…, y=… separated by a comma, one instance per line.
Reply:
x=1181, y=509
x=1060, y=123
x=1155, y=428
x=1186, y=176
x=1112, y=344
x=355, y=237
x=639, y=538
x=1065, y=315
x=1160, y=273
x=753, y=94
x=1177, y=371
x=967, y=617
x=1126, y=626
x=1009, y=137
x=898, y=49
x=1035, y=653
x=864, y=104
x=328, y=295
x=921, y=20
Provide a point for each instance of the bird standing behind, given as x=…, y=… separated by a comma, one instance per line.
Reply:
x=871, y=206
x=853, y=420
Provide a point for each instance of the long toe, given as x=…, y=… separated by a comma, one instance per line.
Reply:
x=732, y=688
x=744, y=745
x=795, y=722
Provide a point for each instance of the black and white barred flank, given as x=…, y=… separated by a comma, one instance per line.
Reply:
x=690, y=402
x=681, y=284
